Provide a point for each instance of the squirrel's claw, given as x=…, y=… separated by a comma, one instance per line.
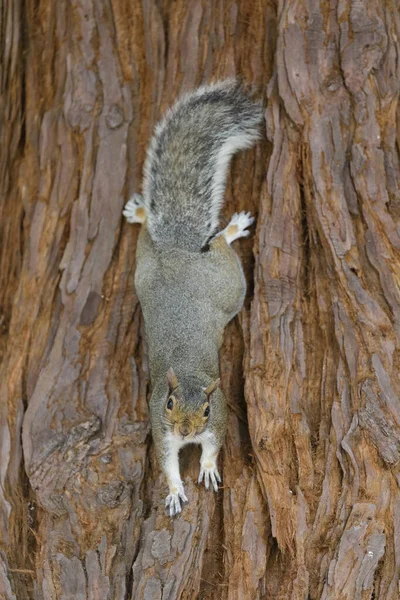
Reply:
x=210, y=473
x=134, y=211
x=237, y=227
x=173, y=501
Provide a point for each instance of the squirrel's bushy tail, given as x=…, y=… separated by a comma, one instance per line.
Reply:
x=187, y=162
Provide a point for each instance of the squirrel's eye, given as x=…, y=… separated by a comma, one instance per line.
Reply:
x=207, y=411
x=170, y=404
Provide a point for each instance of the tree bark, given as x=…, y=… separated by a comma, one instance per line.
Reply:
x=310, y=505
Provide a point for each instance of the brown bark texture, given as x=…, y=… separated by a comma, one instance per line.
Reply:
x=310, y=504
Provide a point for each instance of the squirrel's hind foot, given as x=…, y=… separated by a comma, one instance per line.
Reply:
x=237, y=227
x=173, y=500
x=209, y=472
x=134, y=210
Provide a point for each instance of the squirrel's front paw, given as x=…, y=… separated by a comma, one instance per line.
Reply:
x=237, y=226
x=134, y=210
x=174, y=498
x=209, y=471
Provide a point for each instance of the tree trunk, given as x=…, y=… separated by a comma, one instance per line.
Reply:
x=310, y=502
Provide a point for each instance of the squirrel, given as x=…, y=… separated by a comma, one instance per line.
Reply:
x=188, y=279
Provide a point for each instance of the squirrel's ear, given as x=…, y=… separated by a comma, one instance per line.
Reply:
x=212, y=387
x=172, y=379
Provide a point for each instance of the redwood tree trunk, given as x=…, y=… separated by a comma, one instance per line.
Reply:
x=310, y=503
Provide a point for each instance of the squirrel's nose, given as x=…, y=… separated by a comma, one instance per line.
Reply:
x=184, y=429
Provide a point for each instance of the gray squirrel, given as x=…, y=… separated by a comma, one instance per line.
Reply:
x=188, y=279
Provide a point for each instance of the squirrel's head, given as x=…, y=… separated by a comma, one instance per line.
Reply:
x=188, y=408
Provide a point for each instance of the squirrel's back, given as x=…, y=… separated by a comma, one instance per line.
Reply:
x=187, y=162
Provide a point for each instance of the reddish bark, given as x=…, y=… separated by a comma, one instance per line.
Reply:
x=310, y=504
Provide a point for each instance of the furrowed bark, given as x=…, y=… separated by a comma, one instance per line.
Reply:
x=309, y=506
x=324, y=372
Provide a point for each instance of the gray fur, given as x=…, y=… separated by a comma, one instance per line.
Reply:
x=187, y=162
x=187, y=295
x=187, y=299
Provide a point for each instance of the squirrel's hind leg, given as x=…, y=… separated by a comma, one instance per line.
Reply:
x=237, y=227
x=134, y=210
